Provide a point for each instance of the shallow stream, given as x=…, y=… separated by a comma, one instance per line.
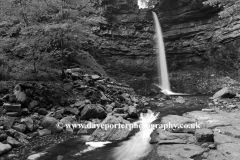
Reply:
x=71, y=147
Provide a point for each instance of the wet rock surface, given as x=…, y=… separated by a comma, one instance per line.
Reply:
x=179, y=151
x=217, y=137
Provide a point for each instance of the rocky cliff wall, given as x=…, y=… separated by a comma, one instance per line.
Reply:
x=193, y=35
x=195, y=38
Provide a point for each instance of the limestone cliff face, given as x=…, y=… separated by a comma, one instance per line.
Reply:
x=193, y=34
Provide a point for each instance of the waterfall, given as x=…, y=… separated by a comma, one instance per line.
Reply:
x=164, y=83
x=161, y=56
x=138, y=146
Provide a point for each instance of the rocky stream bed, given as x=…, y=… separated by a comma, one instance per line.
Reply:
x=31, y=111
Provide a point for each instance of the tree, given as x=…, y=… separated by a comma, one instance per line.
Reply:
x=50, y=30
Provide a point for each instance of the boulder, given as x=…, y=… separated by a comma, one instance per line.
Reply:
x=109, y=108
x=10, y=107
x=93, y=111
x=132, y=112
x=80, y=104
x=204, y=135
x=50, y=123
x=134, y=99
x=14, y=114
x=25, y=111
x=10, y=132
x=32, y=105
x=224, y=93
x=3, y=137
x=74, y=70
x=180, y=100
x=70, y=110
x=58, y=114
x=69, y=120
x=21, y=137
x=1, y=101
x=19, y=127
x=44, y=132
x=42, y=111
x=36, y=156
x=26, y=86
x=8, y=121
x=119, y=110
x=123, y=115
x=4, y=148
x=28, y=123
x=69, y=131
x=95, y=77
x=13, y=142
x=111, y=133
x=6, y=97
x=12, y=98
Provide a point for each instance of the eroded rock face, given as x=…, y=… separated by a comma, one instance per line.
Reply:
x=194, y=36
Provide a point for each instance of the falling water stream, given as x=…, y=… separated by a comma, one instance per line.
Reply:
x=161, y=57
x=164, y=83
x=138, y=146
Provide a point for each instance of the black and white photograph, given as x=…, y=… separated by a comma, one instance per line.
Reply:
x=119, y=79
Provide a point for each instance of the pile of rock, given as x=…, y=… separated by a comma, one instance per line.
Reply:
x=226, y=99
x=39, y=109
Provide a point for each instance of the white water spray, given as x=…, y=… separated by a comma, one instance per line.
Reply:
x=138, y=146
x=91, y=145
x=164, y=83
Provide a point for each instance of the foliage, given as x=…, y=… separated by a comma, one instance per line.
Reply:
x=49, y=31
x=35, y=11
